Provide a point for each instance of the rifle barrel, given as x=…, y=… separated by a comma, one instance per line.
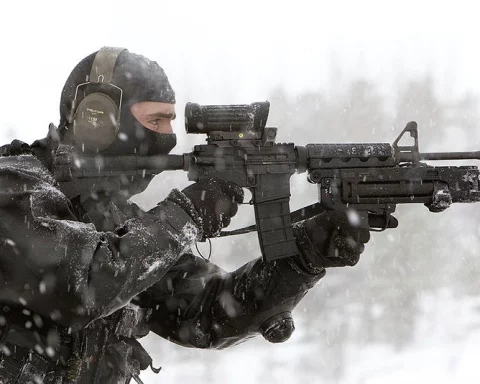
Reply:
x=450, y=156
x=160, y=162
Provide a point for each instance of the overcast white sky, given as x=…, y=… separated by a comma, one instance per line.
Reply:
x=231, y=51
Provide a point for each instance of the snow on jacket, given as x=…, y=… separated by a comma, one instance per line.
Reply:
x=66, y=271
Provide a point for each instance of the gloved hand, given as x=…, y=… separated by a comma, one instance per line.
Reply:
x=216, y=202
x=330, y=240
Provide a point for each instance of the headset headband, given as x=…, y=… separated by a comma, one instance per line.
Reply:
x=104, y=64
x=101, y=72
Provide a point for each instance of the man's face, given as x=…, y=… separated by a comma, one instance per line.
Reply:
x=154, y=115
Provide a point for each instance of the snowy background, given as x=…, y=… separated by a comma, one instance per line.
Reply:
x=333, y=71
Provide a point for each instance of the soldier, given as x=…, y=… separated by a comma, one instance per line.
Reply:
x=85, y=274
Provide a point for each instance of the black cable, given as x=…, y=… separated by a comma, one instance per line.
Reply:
x=209, y=253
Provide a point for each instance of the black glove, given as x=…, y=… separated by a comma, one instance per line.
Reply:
x=330, y=240
x=215, y=202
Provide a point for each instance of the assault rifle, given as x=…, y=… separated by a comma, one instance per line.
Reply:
x=368, y=178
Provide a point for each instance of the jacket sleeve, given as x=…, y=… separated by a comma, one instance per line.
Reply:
x=197, y=304
x=64, y=269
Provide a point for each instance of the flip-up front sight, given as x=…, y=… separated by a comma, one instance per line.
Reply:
x=226, y=118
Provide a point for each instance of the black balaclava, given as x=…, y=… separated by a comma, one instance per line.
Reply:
x=141, y=80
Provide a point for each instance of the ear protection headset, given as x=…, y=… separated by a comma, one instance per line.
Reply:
x=96, y=118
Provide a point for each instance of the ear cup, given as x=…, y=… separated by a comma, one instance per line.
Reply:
x=96, y=122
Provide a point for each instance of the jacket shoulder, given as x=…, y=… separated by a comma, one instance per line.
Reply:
x=15, y=148
x=20, y=167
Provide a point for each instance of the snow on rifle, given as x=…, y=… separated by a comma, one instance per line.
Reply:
x=369, y=178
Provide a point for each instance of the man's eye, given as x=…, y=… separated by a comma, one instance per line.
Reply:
x=155, y=122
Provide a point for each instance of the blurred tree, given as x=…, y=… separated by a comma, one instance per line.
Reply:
x=400, y=265
x=377, y=301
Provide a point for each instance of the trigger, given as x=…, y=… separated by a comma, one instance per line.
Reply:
x=378, y=223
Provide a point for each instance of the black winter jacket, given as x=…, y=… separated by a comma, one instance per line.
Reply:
x=84, y=296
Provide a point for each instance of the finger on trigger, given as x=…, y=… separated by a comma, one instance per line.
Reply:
x=364, y=235
x=233, y=209
x=225, y=221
